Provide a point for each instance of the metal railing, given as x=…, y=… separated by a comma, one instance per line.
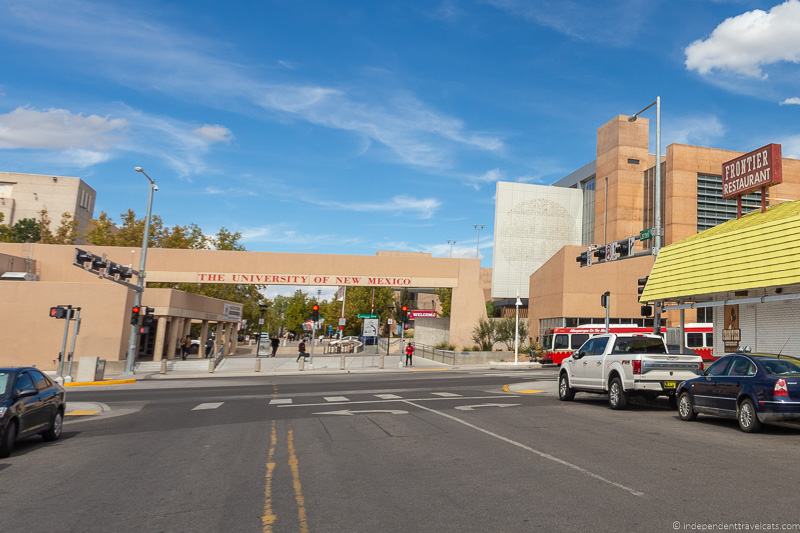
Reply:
x=435, y=354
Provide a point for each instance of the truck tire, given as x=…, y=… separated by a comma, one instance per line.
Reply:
x=617, y=397
x=565, y=392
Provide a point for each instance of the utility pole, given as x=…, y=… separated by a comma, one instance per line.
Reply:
x=451, y=243
x=137, y=296
x=478, y=229
x=516, y=330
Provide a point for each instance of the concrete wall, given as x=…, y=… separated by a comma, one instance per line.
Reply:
x=431, y=331
x=25, y=195
x=560, y=288
x=31, y=337
x=531, y=223
x=12, y=263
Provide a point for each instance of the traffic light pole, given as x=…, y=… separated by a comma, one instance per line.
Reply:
x=63, y=352
x=75, y=331
x=137, y=297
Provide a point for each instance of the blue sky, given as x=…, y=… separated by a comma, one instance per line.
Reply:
x=349, y=127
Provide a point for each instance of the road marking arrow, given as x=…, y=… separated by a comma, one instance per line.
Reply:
x=473, y=407
x=347, y=412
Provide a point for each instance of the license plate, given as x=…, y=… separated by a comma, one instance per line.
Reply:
x=669, y=384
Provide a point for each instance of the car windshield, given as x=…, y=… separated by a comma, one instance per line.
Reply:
x=625, y=345
x=781, y=367
x=4, y=379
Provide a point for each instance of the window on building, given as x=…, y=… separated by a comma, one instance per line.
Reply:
x=587, y=229
x=713, y=209
x=705, y=314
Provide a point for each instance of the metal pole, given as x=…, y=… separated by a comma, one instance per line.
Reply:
x=682, y=343
x=137, y=297
x=608, y=311
x=344, y=298
x=516, y=330
x=478, y=228
x=63, y=352
x=75, y=332
x=657, y=215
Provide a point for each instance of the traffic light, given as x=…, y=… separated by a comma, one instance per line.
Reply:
x=136, y=312
x=604, y=299
x=114, y=270
x=625, y=248
x=641, y=282
x=126, y=273
x=646, y=310
x=98, y=263
x=600, y=254
x=82, y=257
x=148, y=320
x=585, y=259
x=60, y=311
x=315, y=312
x=404, y=314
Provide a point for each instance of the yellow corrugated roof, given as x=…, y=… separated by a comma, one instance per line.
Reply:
x=757, y=250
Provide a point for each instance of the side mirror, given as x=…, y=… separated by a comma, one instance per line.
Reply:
x=577, y=355
x=26, y=392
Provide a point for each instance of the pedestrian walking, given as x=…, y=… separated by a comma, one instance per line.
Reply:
x=301, y=349
x=409, y=354
x=186, y=345
x=275, y=343
x=209, y=347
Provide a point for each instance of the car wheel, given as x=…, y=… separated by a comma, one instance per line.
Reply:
x=565, y=392
x=617, y=397
x=56, y=426
x=9, y=438
x=748, y=420
x=686, y=407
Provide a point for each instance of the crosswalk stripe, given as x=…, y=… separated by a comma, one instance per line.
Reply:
x=445, y=394
x=280, y=401
x=210, y=405
x=388, y=396
x=336, y=399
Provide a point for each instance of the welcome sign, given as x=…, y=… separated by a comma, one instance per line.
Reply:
x=752, y=171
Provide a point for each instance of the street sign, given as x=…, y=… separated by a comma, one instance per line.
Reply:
x=367, y=315
x=370, y=327
x=422, y=313
x=646, y=234
x=389, y=321
x=342, y=321
x=260, y=321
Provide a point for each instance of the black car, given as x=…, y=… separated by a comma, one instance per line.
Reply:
x=30, y=404
x=752, y=388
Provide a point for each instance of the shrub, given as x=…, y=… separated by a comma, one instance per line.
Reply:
x=445, y=346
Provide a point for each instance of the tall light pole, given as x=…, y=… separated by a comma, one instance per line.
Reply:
x=517, y=303
x=451, y=243
x=137, y=297
x=478, y=229
x=658, y=230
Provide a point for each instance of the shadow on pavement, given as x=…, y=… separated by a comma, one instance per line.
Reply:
x=32, y=444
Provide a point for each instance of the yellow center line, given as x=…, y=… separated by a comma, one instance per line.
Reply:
x=298, y=487
x=269, y=517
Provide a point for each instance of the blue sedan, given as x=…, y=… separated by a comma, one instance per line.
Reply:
x=752, y=388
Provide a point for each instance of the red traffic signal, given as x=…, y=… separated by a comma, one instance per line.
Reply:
x=59, y=311
x=136, y=312
x=315, y=308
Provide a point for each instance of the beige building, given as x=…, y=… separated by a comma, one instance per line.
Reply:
x=618, y=202
x=32, y=337
x=26, y=195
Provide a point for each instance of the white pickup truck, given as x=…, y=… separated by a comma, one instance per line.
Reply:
x=625, y=364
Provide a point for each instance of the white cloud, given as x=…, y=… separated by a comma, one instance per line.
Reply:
x=57, y=129
x=791, y=146
x=464, y=249
x=693, y=129
x=284, y=234
x=78, y=140
x=214, y=133
x=138, y=51
x=794, y=100
x=615, y=23
x=746, y=43
x=398, y=205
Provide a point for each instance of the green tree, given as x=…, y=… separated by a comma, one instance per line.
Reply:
x=484, y=334
x=45, y=234
x=102, y=231
x=26, y=230
x=504, y=332
x=445, y=300
x=227, y=240
x=67, y=231
x=364, y=300
x=298, y=310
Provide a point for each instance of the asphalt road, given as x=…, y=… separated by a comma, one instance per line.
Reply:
x=393, y=453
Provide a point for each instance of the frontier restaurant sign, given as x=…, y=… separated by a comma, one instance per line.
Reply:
x=757, y=170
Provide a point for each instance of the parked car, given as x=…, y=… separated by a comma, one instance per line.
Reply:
x=30, y=404
x=752, y=388
x=625, y=364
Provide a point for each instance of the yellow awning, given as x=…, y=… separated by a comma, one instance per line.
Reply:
x=755, y=251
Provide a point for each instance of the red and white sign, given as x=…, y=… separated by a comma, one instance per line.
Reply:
x=422, y=313
x=752, y=171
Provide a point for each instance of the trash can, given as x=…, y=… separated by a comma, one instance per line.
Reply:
x=100, y=370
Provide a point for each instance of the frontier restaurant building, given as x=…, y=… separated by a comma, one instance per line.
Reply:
x=617, y=189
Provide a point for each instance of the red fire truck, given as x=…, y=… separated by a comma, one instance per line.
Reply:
x=558, y=343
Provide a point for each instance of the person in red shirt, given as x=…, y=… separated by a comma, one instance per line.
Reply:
x=409, y=353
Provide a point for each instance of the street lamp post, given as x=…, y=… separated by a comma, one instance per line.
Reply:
x=137, y=298
x=478, y=229
x=451, y=243
x=658, y=231
x=516, y=330
x=261, y=309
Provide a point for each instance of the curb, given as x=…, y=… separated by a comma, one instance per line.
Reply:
x=99, y=383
